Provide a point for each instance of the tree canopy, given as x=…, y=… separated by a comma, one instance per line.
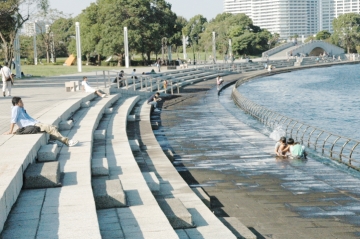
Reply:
x=11, y=20
x=347, y=30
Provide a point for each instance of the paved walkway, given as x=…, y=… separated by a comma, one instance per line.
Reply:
x=234, y=163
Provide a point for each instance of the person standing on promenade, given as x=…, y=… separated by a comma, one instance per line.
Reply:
x=7, y=79
x=22, y=119
x=165, y=84
x=89, y=89
x=219, y=81
x=158, y=64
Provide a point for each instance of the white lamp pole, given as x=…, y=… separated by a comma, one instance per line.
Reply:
x=35, y=50
x=184, y=46
x=214, y=46
x=126, y=46
x=78, y=45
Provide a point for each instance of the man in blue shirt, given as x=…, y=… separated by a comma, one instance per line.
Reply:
x=22, y=119
x=153, y=101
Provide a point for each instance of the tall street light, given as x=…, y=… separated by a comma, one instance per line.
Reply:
x=78, y=45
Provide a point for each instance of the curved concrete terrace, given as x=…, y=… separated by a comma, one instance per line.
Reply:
x=236, y=166
x=194, y=234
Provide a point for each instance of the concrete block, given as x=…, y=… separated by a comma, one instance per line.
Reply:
x=85, y=104
x=203, y=196
x=152, y=181
x=66, y=125
x=177, y=214
x=131, y=118
x=100, y=134
x=154, y=125
x=42, y=175
x=237, y=228
x=48, y=153
x=99, y=167
x=109, y=194
x=169, y=154
x=134, y=144
x=109, y=111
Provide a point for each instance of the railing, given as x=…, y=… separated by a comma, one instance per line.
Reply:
x=336, y=147
x=277, y=49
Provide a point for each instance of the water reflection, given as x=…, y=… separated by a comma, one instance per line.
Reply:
x=284, y=162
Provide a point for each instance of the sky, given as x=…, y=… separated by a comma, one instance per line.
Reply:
x=184, y=8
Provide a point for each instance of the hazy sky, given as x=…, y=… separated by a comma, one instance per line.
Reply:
x=185, y=8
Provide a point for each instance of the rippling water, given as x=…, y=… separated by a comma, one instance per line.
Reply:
x=328, y=98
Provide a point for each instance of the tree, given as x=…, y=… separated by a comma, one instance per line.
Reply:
x=47, y=35
x=148, y=21
x=176, y=39
x=11, y=20
x=193, y=30
x=246, y=37
x=346, y=30
x=323, y=35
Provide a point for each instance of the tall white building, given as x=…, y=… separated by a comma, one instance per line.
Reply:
x=30, y=27
x=290, y=17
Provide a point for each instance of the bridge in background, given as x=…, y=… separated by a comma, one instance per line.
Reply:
x=313, y=48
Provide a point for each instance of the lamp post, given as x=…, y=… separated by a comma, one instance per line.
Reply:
x=193, y=47
x=126, y=46
x=214, y=46
x=78, y=45
x=35, y=50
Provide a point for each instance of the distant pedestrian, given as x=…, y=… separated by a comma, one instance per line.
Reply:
x=7, y=79
x=153, y=101
x=219, y=82
x=158, y=64
x=133, y=74
x=165, y=84
x=22, y=119
x=88, y=88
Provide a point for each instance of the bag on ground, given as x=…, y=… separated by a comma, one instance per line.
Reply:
x=31, y=129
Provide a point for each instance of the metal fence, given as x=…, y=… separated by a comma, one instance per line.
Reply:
x=336, y=147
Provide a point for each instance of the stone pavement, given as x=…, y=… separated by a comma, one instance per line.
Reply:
x=275, y=198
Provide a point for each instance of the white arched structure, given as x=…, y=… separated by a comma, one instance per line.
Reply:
x=307, y=48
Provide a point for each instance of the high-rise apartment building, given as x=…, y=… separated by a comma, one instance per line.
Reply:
x=290, y=17
x=30, y=27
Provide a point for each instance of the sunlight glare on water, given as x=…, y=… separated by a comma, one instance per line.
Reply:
x=327, y=98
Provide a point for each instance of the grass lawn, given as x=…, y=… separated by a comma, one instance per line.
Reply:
x=57, y=70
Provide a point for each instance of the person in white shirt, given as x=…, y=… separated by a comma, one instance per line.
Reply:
x=89, y=89
x=22, y=119
x=7, y=79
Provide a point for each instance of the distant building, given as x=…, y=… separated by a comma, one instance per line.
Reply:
x=290, y=17
x=30, y=27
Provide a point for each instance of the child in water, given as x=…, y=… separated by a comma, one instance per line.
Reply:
x=280, y=146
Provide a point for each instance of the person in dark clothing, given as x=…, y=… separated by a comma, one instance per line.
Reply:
x=153, y=101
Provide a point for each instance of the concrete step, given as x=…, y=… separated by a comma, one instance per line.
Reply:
x=236, y=227
x=131, y=118
x=42, y=175
x=152, y=181
x=177, y=214
x=108, y=111
x=66, y=125
x=85, y=104
x=108, y=193
x=99, y=167
x=47, y=153
x=134, y=144
x=169, y=154
x=203, y=196
x=100, y=134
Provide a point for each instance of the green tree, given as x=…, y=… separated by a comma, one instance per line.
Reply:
x=176, y=39
x=346, y=30
x=323, y=35
x=148, y=21
x=194, y=28
x=246, y=37
x=11, y=20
